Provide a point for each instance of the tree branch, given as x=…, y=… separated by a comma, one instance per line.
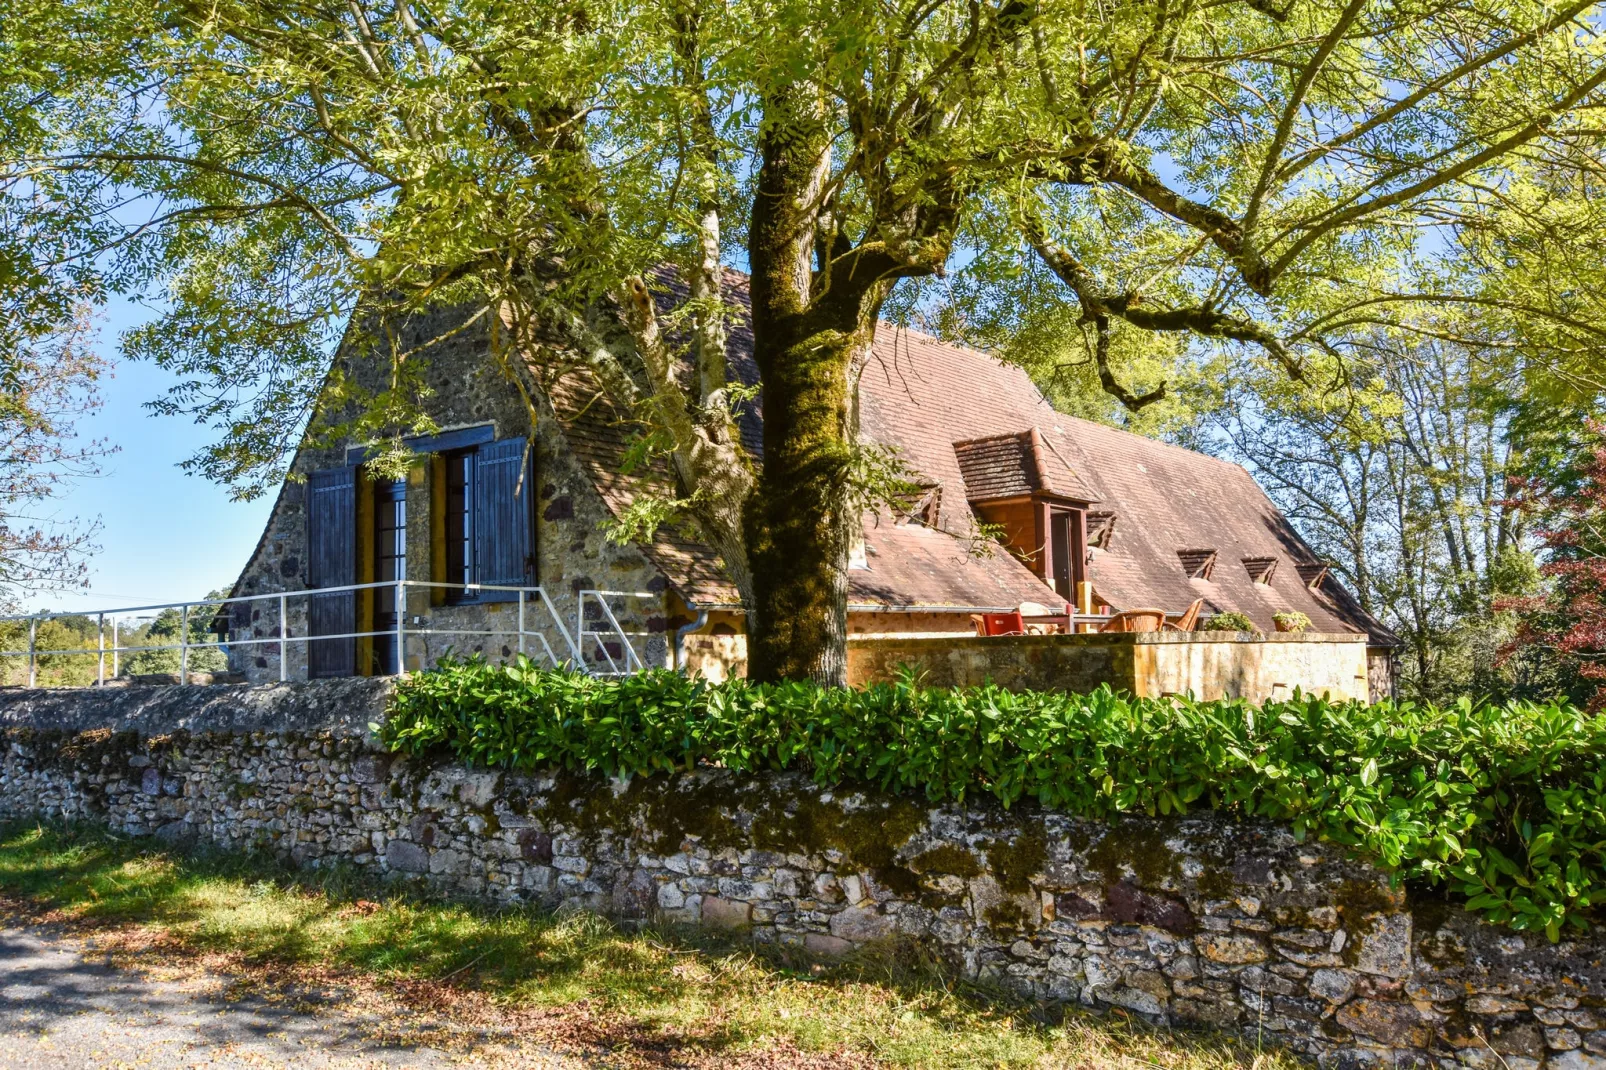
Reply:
x=1327, y=222
x=1201, y=320
x=1296, y=100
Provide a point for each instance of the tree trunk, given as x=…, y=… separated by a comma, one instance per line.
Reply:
x=806, y=329
x=798, y=519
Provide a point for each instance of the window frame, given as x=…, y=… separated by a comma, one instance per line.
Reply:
x=461, y=447
x=460, y=536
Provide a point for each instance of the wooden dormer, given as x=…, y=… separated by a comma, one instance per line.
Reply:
x=1015, y=482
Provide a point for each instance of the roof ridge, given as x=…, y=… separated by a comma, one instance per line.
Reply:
x=1146, y=438
x=960, y=347
x=1034, y=442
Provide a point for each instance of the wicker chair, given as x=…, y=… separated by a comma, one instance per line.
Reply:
x=1189, y=619
x=1135, y=620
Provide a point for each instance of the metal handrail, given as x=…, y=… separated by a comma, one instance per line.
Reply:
x=572, y=641
x=632, y=662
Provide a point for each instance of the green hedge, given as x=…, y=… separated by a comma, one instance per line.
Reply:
x=1506, y=804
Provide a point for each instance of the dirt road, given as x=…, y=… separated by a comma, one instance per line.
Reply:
x=62, y=1005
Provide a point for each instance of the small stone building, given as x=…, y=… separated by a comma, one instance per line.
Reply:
x=515, y=493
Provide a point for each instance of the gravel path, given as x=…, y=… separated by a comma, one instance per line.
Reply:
x=61, y=1005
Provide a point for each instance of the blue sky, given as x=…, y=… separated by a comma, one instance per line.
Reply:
x=165, y=535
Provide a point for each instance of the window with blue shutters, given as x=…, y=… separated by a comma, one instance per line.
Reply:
x=490, y=519
x=332, y=562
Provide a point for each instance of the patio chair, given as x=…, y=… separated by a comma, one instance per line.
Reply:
x=1135, y=620
x=1189, y=619
x=1042, y=620
x=999, y=623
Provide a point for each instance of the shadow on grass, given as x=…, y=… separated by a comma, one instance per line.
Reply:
x=662, y=992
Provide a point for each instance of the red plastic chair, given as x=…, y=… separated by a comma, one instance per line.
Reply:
x=1002, y=624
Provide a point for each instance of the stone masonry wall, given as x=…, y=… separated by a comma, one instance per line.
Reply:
x=466, y=388
x=1152, y=664
x=1191, y=921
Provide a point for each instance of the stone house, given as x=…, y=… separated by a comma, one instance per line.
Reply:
x=1090, y=516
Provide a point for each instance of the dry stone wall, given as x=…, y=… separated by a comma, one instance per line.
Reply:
x=1192, y=921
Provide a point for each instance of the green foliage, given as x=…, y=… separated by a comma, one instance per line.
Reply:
x=1230, y=622
x=164, y=631
x=1505, y=804
x=73, y=633
x=78, y=654
x=1225, y=178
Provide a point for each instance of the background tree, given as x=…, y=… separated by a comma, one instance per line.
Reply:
x=1402, y=482
x=1239, y=172
x=165, y=630
x=48, y=379
x=1564, y=629
x=70, y=633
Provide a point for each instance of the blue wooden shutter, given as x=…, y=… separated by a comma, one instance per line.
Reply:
x=332, y=562
x=504, y=527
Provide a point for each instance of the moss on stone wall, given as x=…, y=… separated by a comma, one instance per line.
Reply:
x=1195, y=919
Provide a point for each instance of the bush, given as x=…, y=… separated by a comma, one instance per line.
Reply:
x=1291, y=621
x=1505, y=804
x=1229, y=622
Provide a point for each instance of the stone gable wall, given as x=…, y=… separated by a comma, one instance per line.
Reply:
x=466, y=388
x=1190, y=921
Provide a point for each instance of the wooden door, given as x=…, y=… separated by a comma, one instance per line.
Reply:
x=1060, y=540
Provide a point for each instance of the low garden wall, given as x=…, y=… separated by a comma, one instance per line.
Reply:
x=1191, y=921
x=1259, y=668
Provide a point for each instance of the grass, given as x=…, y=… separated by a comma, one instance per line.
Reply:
x=648, y=997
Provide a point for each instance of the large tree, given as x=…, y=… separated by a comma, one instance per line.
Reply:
x=273, y=164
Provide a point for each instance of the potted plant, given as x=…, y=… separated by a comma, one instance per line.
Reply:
x=1291, y=621
x=1231, y=621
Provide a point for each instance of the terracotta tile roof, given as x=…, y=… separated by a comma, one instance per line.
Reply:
x=1013, y=466
x=939, y=405
x=911, y=565
x=1169, y=499
x=923, y=396
x=599, y=437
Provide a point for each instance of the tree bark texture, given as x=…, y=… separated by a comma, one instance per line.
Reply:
x=807, y=328
x=799, y=520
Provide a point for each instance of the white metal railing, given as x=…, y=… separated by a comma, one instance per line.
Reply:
x=607, y=631
x=632, y=663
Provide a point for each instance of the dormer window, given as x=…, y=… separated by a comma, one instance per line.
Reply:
x=922, y=505
x=1198, y=564
x=1312, y=575
x=1261, y=569
x=1100, y=529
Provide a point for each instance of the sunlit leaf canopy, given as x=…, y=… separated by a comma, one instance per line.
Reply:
x=1435, y=179
x=1171, y=177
